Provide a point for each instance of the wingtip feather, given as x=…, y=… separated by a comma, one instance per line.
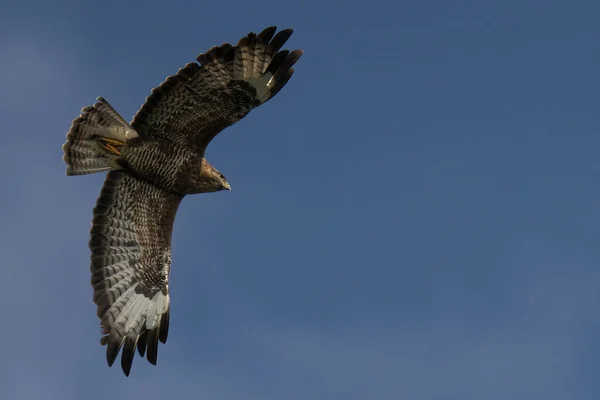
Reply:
x=112, y=349
x=128, y=354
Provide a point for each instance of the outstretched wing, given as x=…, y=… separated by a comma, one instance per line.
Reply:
x=131, y=260
x=201, y=100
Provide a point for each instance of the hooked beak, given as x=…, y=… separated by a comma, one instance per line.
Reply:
x=227, y=186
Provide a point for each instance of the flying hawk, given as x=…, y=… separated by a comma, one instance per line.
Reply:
x=152, y=163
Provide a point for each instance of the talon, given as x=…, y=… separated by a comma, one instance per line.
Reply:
x=108, y=144
x=114, y=142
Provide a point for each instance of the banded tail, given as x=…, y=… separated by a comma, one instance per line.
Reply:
x=94, y=140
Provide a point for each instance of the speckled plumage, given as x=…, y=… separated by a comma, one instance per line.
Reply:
x=153, y=163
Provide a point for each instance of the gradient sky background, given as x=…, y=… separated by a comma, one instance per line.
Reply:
x=415, y=216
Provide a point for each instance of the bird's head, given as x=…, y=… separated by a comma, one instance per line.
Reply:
x=212, y=180
x=220, y=182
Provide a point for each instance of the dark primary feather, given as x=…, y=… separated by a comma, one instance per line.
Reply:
x=131, y=259
x=197, y=103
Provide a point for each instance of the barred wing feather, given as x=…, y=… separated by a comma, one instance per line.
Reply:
x=131, y=261
x=201, y=100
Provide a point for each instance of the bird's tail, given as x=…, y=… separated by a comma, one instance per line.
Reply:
x=95, y=138
x=256, y=59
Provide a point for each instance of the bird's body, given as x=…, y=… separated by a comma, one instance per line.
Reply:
x=152, y=164
x=173, y=167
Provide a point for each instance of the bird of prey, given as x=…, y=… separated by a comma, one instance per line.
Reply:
x=152, y=163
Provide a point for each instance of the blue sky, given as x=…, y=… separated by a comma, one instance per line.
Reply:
x=414, y=216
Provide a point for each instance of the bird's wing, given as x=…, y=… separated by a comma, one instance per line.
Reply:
x=131, y=260
x=201, y=100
